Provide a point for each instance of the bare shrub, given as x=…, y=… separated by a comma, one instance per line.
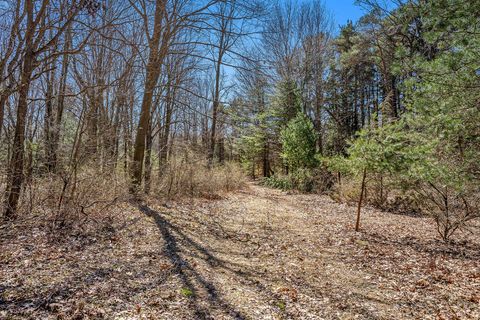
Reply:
x=74, y=202
x=187, y=174
x=346, y=191
x=402, y=202
x=380, y=192
x=451, y=209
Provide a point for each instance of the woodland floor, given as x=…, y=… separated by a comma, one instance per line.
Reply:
x=257, y=253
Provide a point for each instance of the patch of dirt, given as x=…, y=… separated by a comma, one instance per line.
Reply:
x=254, y=254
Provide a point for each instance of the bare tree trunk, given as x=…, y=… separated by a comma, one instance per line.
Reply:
x=360, y=200
x=266, y=162
x=318, y=117
x=16, y=176
x=148, y=159
x=35, y=26
x=221, y=150
x=153, y=69
x=216, y=102
x=224, y=43
x=164, y=137
x=140, y=139
x=4, y=95
x=3, y=100
x=60, y=101
x=49, y=122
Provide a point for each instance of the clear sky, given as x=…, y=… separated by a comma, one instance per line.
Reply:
x=344, y=10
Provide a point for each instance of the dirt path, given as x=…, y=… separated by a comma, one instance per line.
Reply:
x=256, y=254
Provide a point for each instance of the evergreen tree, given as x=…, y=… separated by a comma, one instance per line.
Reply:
x=298, y=143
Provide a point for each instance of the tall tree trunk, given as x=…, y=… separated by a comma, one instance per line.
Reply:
x=318, y=117
x=140, y=139
x=148, y=159
x=390, y=99
x=60, y=101
x=92, y=123
x=49, y=122
x=153, y=69
x=16, y=176
x=3, y=101
x=4, y=95
x=221, y=150
x=216, y=97
x=164, y=137
x=213, y=130
x=266, y=162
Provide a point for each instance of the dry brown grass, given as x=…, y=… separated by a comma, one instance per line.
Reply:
x=86, y=201
x=81, y=202
x=188, y=175
x=379, y=193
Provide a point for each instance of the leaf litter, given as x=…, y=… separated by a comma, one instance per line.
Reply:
x=256, y=253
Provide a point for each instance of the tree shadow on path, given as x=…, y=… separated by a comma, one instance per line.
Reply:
x=187, y=273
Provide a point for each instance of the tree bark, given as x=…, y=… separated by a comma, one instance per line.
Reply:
x=360, y=200
x=148, y=159
x=164, y=137
x=216, y=103
x=49, y=122
x=60, y=102
x=153, y=72
x=17, y=161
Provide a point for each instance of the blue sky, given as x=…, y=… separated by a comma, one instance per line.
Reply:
x=344, y=10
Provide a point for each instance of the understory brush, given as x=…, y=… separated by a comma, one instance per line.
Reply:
x=74, y=203
x=452, y=209
x=187, y=174
x=91, y=201
x=303, y=180
x=380, y=193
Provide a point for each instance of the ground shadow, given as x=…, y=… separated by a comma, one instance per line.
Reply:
x=432, y=247
x=187, y=273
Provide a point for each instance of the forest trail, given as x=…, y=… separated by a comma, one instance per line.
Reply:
x=256, y=253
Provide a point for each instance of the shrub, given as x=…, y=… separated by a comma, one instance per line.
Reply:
x=304, y=180
x=298, y=143
x=278, y=182
x=436, y=170
x=74, y=202
x=452, y=209
x=187, y=174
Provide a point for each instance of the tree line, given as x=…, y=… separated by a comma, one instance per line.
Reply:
x=390, y=103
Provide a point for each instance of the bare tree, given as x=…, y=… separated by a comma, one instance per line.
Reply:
x=35, y=44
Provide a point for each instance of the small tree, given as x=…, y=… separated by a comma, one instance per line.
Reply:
x=417, y=161
x=298, y=143
x=386, y=150
x=250, y=148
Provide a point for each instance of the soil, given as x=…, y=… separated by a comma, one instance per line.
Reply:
x=256, y=253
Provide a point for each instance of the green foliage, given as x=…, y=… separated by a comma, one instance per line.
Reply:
x=279, y=182
x=302, y=179
x=390, y=149
x=298, y=143
x=442, y=98
x=249, y=148
x=287, y=102
x=434, y=149
x=253, y=140
x=186, y=292
x=336, y=164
